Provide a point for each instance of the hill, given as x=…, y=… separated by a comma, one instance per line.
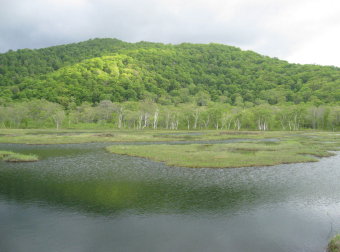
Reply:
x=110, y=69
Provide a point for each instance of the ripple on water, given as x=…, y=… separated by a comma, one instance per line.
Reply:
x=279, y=208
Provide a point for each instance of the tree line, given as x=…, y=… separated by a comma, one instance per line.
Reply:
x=147, y=114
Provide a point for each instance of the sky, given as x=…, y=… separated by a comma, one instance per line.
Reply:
x=299, y=31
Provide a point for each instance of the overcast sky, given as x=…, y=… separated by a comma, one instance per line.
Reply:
x=301, y=31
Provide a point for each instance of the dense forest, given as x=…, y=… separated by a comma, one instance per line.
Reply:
x=150, y=85
x=110, y=69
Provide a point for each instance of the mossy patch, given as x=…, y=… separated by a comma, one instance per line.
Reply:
x=10, y=156
x=334, y=244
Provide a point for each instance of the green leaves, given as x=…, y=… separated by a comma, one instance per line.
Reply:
x=100, y=69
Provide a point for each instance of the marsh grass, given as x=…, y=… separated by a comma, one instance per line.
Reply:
x=40, y=136
x=229, y=155
x=10, y=156
x=255, y=149
x=5, y=153
x=334, y=244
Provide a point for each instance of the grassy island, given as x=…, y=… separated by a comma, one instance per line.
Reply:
x=288, y=149
x=10, y=156
x=334, y=244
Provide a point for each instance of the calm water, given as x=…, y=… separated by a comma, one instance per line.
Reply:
x=80, y=198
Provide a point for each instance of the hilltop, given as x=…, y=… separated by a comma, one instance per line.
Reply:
x=110, y=69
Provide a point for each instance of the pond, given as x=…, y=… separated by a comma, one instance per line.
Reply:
x=78, y=197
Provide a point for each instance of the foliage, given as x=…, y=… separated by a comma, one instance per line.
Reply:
x=110, y=69
x=150, y=115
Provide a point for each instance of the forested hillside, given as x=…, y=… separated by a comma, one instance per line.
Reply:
x=109, y=69
x=111, y=83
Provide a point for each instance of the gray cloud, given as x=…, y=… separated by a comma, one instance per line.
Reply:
x=299, y=31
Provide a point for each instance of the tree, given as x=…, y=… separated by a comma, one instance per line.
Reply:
x=263, y=116
x=58, y=118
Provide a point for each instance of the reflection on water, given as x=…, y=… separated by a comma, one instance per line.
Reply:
x=81, y=198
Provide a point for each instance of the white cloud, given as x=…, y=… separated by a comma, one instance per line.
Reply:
x=302, y=31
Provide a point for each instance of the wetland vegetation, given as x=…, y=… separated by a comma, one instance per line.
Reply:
x=334, y=244
x=10, y=156
x=50, y=136
x=210, y=148
x=287, y=149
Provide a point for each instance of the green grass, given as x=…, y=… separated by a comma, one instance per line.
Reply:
x=10, y=156
x=292, y=147
x=5, y=153
x=227, y=155
x=334, y=244
x=48, y=136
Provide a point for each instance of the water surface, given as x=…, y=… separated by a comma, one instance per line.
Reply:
x=81, y=198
